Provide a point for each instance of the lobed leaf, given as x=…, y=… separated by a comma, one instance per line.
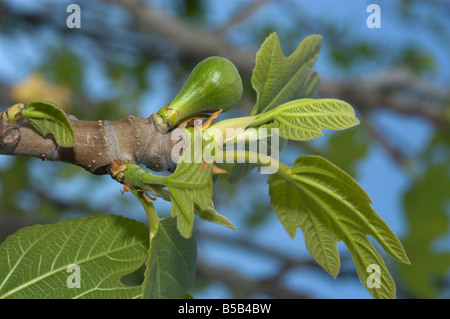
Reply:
x=293, y=211
x=334, y=184
x=278, y=79
x=328, y=205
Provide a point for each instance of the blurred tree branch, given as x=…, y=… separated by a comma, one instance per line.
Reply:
x=241, y=16
x=397, y=90
x=190, y=41
x=244, y=288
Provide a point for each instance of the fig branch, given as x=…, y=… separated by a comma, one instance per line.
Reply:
x=213, y=86
x=97, y=143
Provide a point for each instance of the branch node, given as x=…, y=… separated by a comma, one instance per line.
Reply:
x=10, y=136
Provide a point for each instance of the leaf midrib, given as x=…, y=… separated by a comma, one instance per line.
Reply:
x=295, y=114
x=349, y=240
x=348, y=237
x=341, y=200
x=43, y=276
x=388, y=243
x=316, y=170
x=336, y=221
x=310, y=215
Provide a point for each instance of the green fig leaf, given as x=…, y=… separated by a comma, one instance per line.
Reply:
x=278, y=79
x=328, y=205
x=191, y=184
x=304, y=119
x=39, y=261
x=172, y=262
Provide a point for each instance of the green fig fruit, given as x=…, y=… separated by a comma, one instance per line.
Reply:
x=214, y=84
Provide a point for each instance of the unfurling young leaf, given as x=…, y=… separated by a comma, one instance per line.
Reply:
x=47, y=118
x=191, y=184
x=328, y=205
x=278, y=79
x=304, y=119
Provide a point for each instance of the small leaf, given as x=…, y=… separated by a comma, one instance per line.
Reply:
x=190, y=184
x=171, y=266
x=13, y=114
x=278, y=79
x=34, y=261
x=47, y=118
x=211, y=215
x=304, y=119
x=183, y=208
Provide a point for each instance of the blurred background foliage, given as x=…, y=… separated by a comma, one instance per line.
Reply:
x=131, y=57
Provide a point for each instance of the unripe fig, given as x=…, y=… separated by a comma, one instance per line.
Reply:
x=214, y=84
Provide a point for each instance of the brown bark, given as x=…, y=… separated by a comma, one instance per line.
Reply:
x=97, y=144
